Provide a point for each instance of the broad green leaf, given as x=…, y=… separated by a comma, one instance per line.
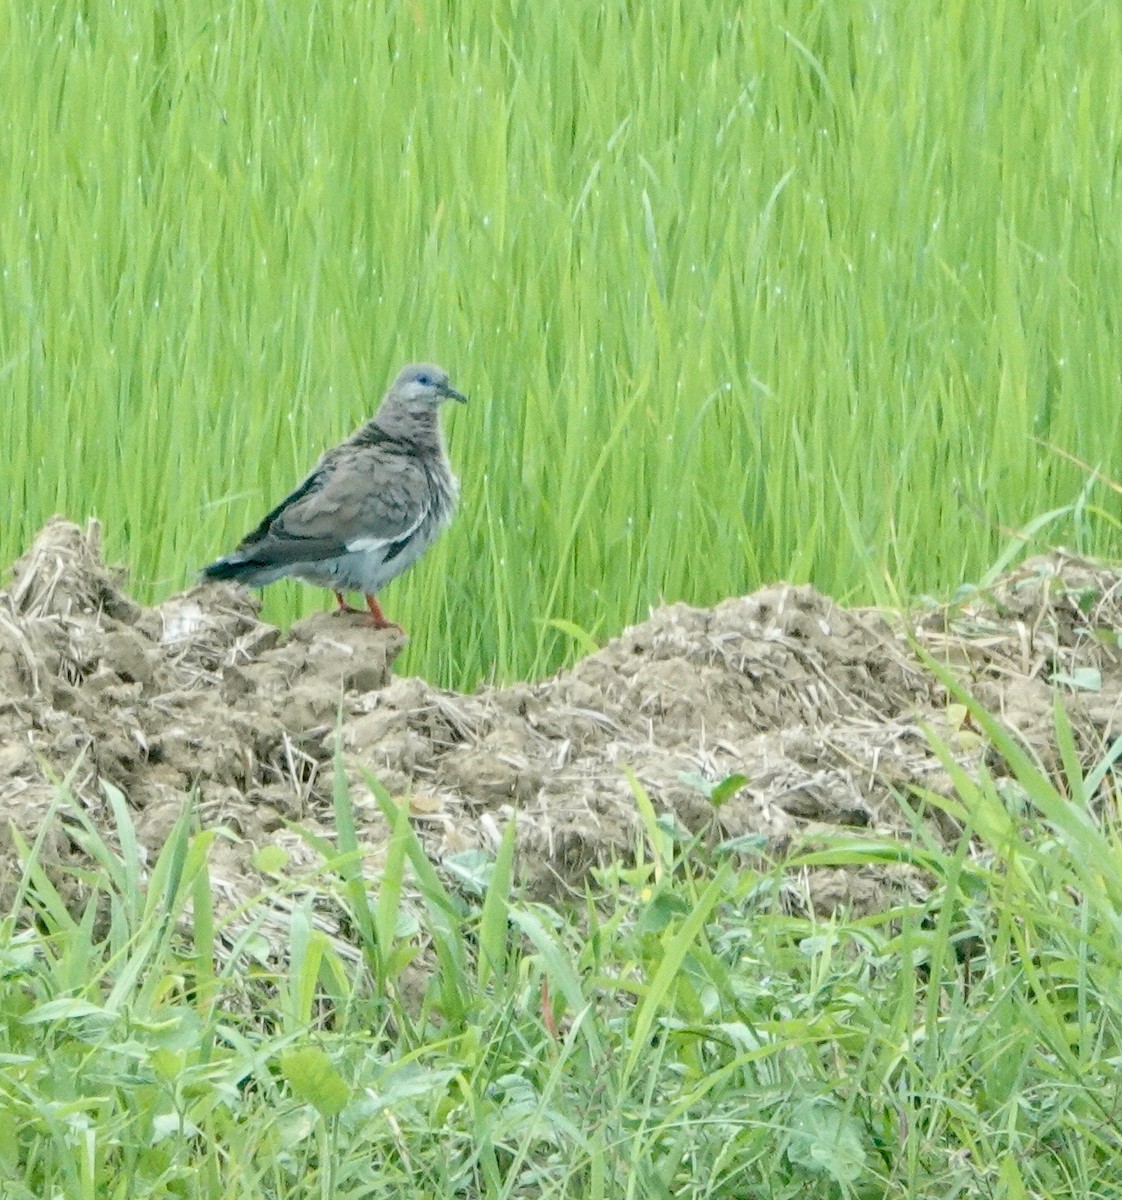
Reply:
x=313, y=1078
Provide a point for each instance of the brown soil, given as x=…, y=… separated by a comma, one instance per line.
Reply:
x=822, y=709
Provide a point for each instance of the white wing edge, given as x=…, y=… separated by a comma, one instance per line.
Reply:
x=367, y=545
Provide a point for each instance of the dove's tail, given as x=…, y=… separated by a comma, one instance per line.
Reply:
x=235, y=567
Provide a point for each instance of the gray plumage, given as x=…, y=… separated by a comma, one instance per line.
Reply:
x=369, y=509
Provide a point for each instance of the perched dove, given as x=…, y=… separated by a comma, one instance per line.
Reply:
x=371, y=507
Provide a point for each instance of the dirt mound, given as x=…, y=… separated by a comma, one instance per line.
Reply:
x=819, y=708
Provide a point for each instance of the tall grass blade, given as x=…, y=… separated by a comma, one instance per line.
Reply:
x=493, y=917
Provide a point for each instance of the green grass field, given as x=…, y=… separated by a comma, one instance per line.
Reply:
x=740, y=292
x=683, y=1037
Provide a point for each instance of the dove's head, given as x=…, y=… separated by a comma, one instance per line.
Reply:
x=424, y=385
x=410, y=407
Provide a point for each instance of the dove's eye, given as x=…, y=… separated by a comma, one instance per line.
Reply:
x=424, y=381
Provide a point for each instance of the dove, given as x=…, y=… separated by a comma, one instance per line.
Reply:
x=370, y=507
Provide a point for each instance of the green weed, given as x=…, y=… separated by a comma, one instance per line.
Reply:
x=683, y=1033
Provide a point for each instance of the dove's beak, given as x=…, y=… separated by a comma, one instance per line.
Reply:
x=450, y=393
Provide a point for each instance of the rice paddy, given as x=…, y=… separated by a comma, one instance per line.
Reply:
x=739, y=294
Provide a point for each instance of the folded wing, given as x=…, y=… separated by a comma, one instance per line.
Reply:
x=359, y=499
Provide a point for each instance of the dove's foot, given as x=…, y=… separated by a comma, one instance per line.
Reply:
x=377, y=618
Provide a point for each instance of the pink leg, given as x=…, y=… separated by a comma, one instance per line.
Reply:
x=344, y=607
x=378, y=618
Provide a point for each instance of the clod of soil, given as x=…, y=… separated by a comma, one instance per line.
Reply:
x=823, y=711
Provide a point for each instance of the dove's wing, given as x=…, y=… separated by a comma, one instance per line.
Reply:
x=358, y=499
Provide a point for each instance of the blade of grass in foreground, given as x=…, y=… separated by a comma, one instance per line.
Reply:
x=447, y=922
x=674, y=953
x=494, y=915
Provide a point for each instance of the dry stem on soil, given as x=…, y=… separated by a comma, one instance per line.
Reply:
x=822, y=709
